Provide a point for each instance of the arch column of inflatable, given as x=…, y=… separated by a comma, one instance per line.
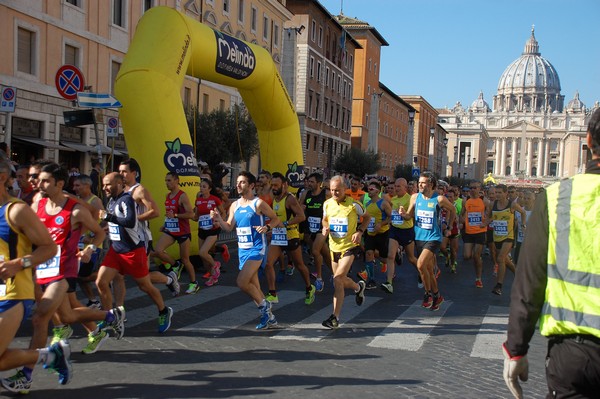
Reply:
x=166, y=46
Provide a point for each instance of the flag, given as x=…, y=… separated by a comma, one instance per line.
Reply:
x=343, y=45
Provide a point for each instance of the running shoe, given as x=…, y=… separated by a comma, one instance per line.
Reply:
x=419, y=282
x=193, y=288
x=118, y=323
x=478, y=283
x=384, y=268
x=319, y=284
x=206, y=275
x=61, y=363
x=226, y=254
x=360, y=294
x=453, y=267
x=272, y=298
x=59, y=333
x=388, y=287
x=164, y=320
x=497, y=289
x=18, y=383
x=95, y=341
x=211, y=281
x=427, y=301
x=332, y=323
x=280, y=276
x=371, y=285
x=437, y=301
x=178, y=268
x=216, y=270
x=289, y=270
x=265, y=317
x=314, y=275
x=495, y=272
x=364, y=276
x=94, y=304
x=310, y=295
x=436, y=271
x=174, y=287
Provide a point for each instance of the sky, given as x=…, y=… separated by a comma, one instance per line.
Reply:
x=450, y=50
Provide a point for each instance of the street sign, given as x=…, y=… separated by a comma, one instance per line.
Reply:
x=416, y=172
x=97, y=100
x=8, y=100
x=69, y=81
x=112, y=127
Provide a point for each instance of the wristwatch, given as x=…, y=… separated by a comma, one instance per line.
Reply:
x=26, y=262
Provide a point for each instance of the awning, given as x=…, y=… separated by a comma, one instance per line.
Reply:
x=43, y=143
x=90, y=148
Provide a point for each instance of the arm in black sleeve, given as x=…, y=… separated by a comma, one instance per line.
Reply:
x=127, y=206
x=529, y=287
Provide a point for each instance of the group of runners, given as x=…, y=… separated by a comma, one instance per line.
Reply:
x=50, y=245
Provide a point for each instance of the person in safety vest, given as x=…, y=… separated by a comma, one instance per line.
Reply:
x=557, y=282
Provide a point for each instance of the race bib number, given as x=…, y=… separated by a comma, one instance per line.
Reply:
x=475, y=219
x=397, y=218
x=2, y=289
x=501, y=227
x=425, y=219
x=244, y=237
x=371, y=226
x=50, y=268
x=172, y=225
x=314, y=224
x=521, y=235
x=338, y=227
x=113, y=232
x=205, y=222
x=279, y=237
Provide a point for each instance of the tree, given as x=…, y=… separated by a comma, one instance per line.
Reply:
x=403, y=170
x=223, y=136
x=357, y=162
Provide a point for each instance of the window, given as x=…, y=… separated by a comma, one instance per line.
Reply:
x=221, y=105
x=370, y=64
x=148, y=4
x=25, y=51
x=241, y=11
x=114, y=71
x=205, y=103
x=318, y=111
x=312, y=67
x=225, y=6
x=73, y=3
x=308, y=141
x=276, y=35
x=339, y=84
x=368, y=89
x=318, y=71
x=265, y=27
x=313, y=31
x=253, y=19
x=310, y=101
x=323, y=145
x=351, y=63
x=315, y=144
x=187, y=96
x=119, y=13
x=71, y=55
x=320, y=36
x=327, y=76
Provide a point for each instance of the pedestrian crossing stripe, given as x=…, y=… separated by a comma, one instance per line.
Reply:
x=492, y=334
x=408, y=332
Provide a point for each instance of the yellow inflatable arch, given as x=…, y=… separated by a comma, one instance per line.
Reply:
x=166, y=46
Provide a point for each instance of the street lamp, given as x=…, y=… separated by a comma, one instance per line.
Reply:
x=411, y=136
x=432, y=150
x=455, y=160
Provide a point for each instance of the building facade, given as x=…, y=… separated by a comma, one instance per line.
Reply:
x=318, y=73
x=94, y=35
x=423, y=139
x=528, y=135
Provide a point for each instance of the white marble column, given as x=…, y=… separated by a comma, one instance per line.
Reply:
x=529, y=156
x=513, y=157
x=547, y=157
x=503, y=158
x=561, y=158
x=540, y=160
x=498, y=155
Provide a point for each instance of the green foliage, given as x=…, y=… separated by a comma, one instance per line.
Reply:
x=357, y=162
x=217, y=138
x=403, y=170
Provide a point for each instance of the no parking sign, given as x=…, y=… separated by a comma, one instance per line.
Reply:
x=8, y=99
x=112, y=127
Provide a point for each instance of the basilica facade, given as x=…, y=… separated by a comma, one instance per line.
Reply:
x=529, y=136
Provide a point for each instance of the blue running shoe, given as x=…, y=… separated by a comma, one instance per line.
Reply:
x=61, y=363
x=164, y=320
x=319, y=284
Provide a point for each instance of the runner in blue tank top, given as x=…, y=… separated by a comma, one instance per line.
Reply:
x=425, y=207
x=247, y=215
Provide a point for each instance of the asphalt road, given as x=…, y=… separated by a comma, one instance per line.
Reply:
x=388, y=348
